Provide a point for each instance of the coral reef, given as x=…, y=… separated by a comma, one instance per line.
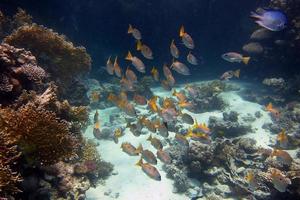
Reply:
x=19, y=70
x=59, y=57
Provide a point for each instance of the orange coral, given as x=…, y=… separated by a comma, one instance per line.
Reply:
x=60, y=57
x=39, y=134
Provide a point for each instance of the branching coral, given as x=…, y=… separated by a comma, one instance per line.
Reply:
x=8, y=178
x=39, y=134
x=55, y=54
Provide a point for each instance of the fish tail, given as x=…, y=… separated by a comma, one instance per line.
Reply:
x=181, y=32
x=116, y=60
x=129, y=56
x=246, y=60
x=237, y=73
x=255, y=15
x=269, y=106
x=139, y=163
x=130, y=29
x=138, y=45
x=139, y=149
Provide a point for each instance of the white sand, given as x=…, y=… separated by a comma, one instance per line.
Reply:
x=131, y=183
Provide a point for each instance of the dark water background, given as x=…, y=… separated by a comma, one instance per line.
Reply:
x=217, y=26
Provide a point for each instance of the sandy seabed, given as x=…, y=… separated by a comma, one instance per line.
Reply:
x=130, y=182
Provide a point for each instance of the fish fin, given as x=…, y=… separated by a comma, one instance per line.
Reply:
x=246, y=60
x=129, y=56
x=269, y=106
x=130, y=29
x=181, y=31
x=237, y=73
x=116, y=60
x=140, y=162
x=255, y=15
x=172, y=42
x=174, y=92
x=149, y=138
x=139, y=149
x=108, y=60
x=138, y=45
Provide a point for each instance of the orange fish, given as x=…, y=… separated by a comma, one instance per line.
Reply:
x=109, y=66
x=168, y=103
x=180, y=96
x=279, y=180
x=117, y=68
x=198, y=136
x=146, y=122
x=127, y=84
x=139, y=99
x=201, y=128
x=130, y=149
x=113, y=98
x=136, y=62
x=130, y=75
x=155, y=74
x=145, y=50
x=152, y=104
x=156, y=143
x=174, y=50
x=251, y=180
x=135, y=32
x=282, y=156
x=186, y=38
x=164, y=156
x=282, y=139
x=273, y=110
x=148, y=169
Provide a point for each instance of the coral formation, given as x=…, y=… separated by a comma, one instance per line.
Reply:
x=58, y=56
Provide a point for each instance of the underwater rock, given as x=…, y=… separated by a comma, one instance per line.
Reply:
x=231, y=116
x=248, y=118
x=253, y=48
x=248, y=145
x=258, y=114
x=227, y=128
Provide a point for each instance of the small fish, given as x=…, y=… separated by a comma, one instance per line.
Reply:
x=96, y=130
x=155, y=74
x=130, y=149
x=148, y=156
x=145, y=50
x=166, y=85
x=186, y=118
x=96, y=117
x=136, y=62
x=185, y=104
x=235, y=57
x=174, y=50
x=180, y=96
x=180, y=68
x=273, y=110
x=156, y=143
x=139, y=99
x=135, y=32
x=181, y=139
x=273, y=20
x=198, y=136
x=148, y=124
x=168, y=103
x=171, y=80
x=129, y=109
x=201, y=128
x=192, y=59
x=230, y=74
x=282, y=156
x=109, y=66
x=152, y=104
x=279, y=180
x=117, y=68
x=123, y=96
x=127, y=84
x=113, y=98
x=130, y=75
x=162, y=129
x=167, y=71
x=148, y=169
x=117, y=134
x=169, y=114
x=163, y=156
x=251, y=180
x=134, y=129
x=282, y=139
x=186, y=38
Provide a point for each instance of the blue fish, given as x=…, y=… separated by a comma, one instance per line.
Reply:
x=273, y=20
